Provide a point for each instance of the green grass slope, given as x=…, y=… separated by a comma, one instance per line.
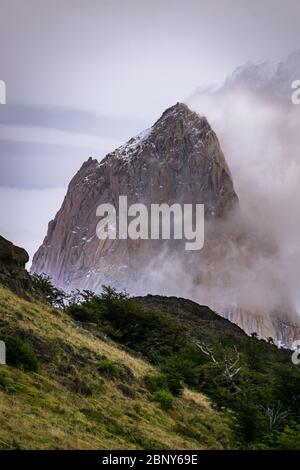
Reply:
x=67, y=385
x=113, y=372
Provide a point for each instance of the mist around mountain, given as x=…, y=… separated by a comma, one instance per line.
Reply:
x=268, y=78
x=258, y=128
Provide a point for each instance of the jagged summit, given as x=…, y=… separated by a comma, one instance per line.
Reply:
x=181, y=114
x=169, y=123
x=178, y=110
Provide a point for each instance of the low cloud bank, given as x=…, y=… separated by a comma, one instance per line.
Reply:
x=251, y=261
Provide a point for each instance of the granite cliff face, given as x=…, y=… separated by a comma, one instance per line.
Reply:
x=179, y=159
x=282, y=326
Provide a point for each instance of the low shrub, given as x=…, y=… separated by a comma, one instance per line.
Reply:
x=164, y=398
x=175, y=383
x=156, y=382
x=112, y=370
x=19, y=354
x=43, y=287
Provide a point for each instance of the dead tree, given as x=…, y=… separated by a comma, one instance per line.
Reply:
x=231, y=365
x=232, y=368
x=274, y=415
x=208, y=351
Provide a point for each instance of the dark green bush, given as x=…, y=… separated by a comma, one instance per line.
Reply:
x=112, y=370
x=43, y=287
x=174, y=382
x=289, y=438
x=19, y=354
x=151, y=333
x=155, y=382
x=164, y=398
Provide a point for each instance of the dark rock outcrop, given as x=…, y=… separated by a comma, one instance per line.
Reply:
x=12, y=267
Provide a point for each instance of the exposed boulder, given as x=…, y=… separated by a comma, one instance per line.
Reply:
x=12, y=266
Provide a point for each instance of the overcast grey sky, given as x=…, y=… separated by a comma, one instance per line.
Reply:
x=83, y=76
x=134, y=57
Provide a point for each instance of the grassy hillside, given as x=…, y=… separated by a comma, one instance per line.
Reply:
x=112, y=372
x=83, y=391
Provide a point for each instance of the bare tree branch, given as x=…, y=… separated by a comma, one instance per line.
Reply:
x=206, y=350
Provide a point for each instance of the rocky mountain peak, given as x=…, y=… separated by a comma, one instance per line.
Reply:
x=178, y=111
x=178, y=159
x=177, y=125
